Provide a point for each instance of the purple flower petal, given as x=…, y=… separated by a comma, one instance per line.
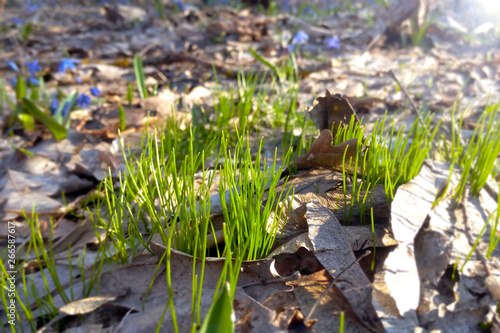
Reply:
x=300, y=38
x=332, y=43
x=54, y=105
x=32, y=8
x=65, y=110
x=67, y=64
x=95, y=91
x=31, y=81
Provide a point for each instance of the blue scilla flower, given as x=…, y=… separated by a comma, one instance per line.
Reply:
x=33, y=67
x=308, y=11
x=83, y=101
x=94, y=91
x=67, y=64
x=65, y=110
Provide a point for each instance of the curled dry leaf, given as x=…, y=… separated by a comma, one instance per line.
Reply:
x=323, y=154
x=252, y=28
x=335, y=200
x=331, y=247
x=86, y=305
x=331, y=109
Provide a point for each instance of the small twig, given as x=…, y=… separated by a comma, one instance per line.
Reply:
x=296, y=275
x=468, y=234
x=318, y=301
x=412, y=105
x=119, y=327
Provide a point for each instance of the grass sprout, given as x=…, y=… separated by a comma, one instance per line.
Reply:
x=384, y=156
x=247, y=181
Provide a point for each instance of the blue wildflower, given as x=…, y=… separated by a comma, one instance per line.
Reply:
x=17, y=21
x=78, y=79
x=54, y=105
x=285, y=5
x=67, y=64
x=332, y=43
x=32, y=5
x=33, y=67
x=13, y=66
x=300, y=38
x=83, y=101
x=65, y=110
x=95, y=91
x=13, y=82
x=31, y=81
x=181, y=6
x=32, y=8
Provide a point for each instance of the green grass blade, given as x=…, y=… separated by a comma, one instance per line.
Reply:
x=265, y=62
x=218, y=318
x=55, y=128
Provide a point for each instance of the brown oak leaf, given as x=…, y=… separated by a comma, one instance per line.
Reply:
x=323, y=154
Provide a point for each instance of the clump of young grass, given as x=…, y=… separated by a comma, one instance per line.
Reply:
x=247, y=181
x=285, y=80
x=269, y=100
x=159, y=193
x=43, y=299
x=384, y=156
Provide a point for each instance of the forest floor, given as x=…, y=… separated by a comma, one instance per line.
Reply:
x=273, y=73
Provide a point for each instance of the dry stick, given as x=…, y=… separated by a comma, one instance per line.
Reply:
x=468, y=234
x=412, y=105
x=318, y=301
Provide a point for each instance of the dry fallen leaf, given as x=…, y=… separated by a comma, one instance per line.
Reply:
x=86, y=305
x=332, y=249
x=331, y=109
x=323, y=154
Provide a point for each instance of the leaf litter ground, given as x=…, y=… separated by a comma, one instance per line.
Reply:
x=413, y=284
